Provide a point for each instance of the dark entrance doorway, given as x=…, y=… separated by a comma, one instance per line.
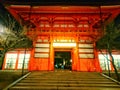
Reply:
x=63, y=60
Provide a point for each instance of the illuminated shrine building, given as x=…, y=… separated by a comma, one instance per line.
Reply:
x=63, y=36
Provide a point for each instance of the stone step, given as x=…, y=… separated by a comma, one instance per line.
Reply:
x=97, y=80
x=65, y=81
x=62, y=88
x=67, y=85
x=64, y=73
x=56, y=77
x=78, y=82
x=66, y=77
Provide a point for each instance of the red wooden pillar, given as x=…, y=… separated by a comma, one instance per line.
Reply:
x=96, y=60
x=76, y=56
x=74, y=59
x=51, y=60
x=16, y=65
x=77, y=60
x=31, y=65
x=3, y=66
x=111, y=66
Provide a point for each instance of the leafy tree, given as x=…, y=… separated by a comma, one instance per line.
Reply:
x=13, y=35
x=109, y=42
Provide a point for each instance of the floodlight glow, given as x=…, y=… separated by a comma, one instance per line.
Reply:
x=63, y=40
x=27, y=6
x=64, y=44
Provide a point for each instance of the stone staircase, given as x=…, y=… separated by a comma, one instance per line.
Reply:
x=65, y=80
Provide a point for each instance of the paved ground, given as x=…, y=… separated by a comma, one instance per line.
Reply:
x=65, y=80
x=9, y=76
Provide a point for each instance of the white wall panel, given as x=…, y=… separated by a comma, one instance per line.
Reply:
x=42, y=45
x=41, y=55
x=41, y=49
x=39, y=40
x=45, y=40
x=86, y=50
x=85, y=45
x=86, y=55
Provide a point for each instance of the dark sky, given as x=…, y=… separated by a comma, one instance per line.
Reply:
x=77, y=2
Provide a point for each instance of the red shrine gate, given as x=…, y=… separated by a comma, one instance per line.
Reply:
x=72, y=28
x=83, y=55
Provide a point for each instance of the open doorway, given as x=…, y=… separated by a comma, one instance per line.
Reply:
x=62, y=60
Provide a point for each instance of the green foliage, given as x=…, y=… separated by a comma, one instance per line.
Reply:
x=109, y=38
x=13, y=35
x=11, y=40
x=109, y=42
